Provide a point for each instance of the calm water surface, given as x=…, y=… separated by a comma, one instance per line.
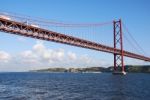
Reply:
x=69, y=86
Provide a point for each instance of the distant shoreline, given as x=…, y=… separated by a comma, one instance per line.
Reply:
x=128, y=68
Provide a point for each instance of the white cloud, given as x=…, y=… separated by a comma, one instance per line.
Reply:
x=4, y=56
x=39, y=57
x=44, y=56
x=48, y=54
x=28, y=54
x=28, y=57
x=72, y=56
x=86, y=59
x=39, y=48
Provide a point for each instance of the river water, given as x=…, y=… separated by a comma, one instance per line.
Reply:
x=74, y=86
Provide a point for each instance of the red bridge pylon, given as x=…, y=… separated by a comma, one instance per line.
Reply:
x=118, y=44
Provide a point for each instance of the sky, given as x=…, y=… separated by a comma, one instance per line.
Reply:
x=21, y=53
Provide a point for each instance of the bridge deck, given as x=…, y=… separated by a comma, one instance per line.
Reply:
x=18, y=28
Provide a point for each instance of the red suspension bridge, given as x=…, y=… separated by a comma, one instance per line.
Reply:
x=26, y=27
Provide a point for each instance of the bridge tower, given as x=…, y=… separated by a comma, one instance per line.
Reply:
x=118, y=44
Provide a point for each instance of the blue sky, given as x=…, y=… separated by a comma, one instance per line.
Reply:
x=134, y=13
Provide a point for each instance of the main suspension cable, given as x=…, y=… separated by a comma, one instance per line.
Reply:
x=131, y=36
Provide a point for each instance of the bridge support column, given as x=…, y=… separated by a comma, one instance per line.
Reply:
x=118, y=43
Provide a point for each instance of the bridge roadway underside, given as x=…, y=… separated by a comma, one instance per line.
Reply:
x=19, y=28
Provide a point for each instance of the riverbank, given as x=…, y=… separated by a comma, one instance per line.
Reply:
x=128, y=68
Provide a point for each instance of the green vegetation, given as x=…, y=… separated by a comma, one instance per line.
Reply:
x=138, y=69
x=128, y=68
x=74, y=70
x=52, y=70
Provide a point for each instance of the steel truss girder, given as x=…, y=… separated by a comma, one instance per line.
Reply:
x=22, y=29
